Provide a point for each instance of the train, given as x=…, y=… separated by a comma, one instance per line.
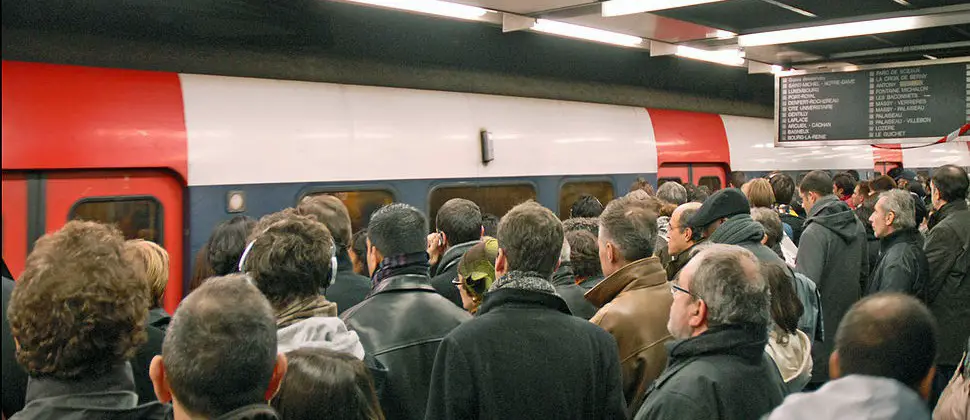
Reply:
x=167, y=156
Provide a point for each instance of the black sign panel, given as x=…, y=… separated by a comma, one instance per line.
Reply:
x=873, y=106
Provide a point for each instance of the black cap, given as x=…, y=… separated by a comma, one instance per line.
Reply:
x=905, y=174
x=724, y=203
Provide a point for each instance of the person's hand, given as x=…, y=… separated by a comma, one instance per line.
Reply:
x=436, y=247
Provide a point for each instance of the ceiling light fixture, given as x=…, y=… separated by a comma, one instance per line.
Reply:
x=431, y=7
x=585, y=32
x=732, y=57
x=722, y=34
x=930, y=57
x=850, y=29
x=629, y=7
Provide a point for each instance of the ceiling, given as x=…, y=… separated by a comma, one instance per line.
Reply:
x=947, y=33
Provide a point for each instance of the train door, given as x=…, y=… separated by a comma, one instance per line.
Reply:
x=14, y=222
x=714, y=176
x=144, y=204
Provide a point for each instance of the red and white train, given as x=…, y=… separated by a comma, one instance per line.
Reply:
x=167, y=156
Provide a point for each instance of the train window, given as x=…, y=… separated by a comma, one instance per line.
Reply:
x=491, y=199
x=712, y=182
x=136, y=217
x=662, y=181
x=361, y=204
x=572, y=191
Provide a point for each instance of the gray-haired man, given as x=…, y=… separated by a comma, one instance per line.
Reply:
x=903, y=266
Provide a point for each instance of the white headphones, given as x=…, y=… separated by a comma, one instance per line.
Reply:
x=331, y=278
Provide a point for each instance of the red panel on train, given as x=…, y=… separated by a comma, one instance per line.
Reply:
x=57, y=117
x=684, y=136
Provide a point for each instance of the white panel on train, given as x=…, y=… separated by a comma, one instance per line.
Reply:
x=751, y=141
x=956, y=153
x=244, y=131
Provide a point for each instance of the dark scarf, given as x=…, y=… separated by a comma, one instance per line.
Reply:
x=303, y=309
x=414, y=263
x=738, y=229
x=524, y=280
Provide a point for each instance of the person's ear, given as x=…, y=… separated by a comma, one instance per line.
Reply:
x=482, y=235
x=835, y=372
x=156, y=372
x=501, y=263
x=891, y=218
x=611, y=252
x=926, y=385
x=279, y=372
x=764, y=239
x=698, y=317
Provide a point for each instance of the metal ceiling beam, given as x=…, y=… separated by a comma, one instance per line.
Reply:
x=900, y=50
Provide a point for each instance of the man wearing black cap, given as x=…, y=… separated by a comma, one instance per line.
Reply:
x=833, y=253
x=725, y=218
x=906, y=180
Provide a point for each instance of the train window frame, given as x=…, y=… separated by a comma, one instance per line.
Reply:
x=341, y=188
x=716, y=178
x=582, y=179
x=160, y=240
x=477, y=184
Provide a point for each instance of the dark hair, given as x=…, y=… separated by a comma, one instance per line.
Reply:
x=854, y=173
x=584, y=253
x=786, y=309
x=882, y=184
x=771, y=222
x=460, y=220
x=589, y=224
x=397, y=229
x=359, y=243
x=819, y=182
x=702, y=194
x=290, y=257
x=586, y=206
x=887, y=335
x=532, y=237
x=685, y=216
x=641, y=184
x=201, y=268
x=738, y=179
x=332, y=212
x=490, y=224
x=80, y=306
x=227, y=243
x=632, y=226
x=863, y=188
x=783, y=187
x=219, y=350
x=844, y=181
x=325, y=384
x=952, y=183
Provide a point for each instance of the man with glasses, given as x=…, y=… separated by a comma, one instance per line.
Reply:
x=717, y=368
x=681, y=238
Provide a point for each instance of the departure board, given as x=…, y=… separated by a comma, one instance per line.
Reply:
x=886, y=105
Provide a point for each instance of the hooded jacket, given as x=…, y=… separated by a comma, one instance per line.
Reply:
x=855, y=397
x=722, y=374
x=320, y=332
x=446, y=271
x=832, y=253
x=902, y=265
x=110, y=396
x=792, y=354
x=948, y=253
x=635, y=307
x=565, y=283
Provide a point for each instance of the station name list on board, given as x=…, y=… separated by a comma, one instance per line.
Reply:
x=873, y=106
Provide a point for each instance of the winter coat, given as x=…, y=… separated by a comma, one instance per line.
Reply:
x=948, y=291
x=635, y=307
x=792, y=354
x=832, y=253
x=855, y=397
x=677, y=262
x=722, y=374
x=110, y=396
x=159, y=318
x=446, y=271
x=401, y=324
x=13, y=378
x=524, y=357
x=320, y=332
x=591, y=282
x=902, y=265
x=565, y=283
x=348, y=288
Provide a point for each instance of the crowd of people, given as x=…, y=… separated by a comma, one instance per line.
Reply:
x=832, y=298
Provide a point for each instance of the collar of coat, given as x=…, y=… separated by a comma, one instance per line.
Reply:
x=639, y=274
x=746, y=341
x=910, y=235
x=521, y=298
x=945, y=211
x=112, y=389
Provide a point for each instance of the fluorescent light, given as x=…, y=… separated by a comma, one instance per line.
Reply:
x=731, y=57
x=930, y=57
x=431, y=7
x=721, y=34
x=629, y=7
x=841, y=30
x=585, y=32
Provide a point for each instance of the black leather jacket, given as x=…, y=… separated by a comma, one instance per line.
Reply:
x=401, y=324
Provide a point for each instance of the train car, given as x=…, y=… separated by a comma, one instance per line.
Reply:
x=167, y=156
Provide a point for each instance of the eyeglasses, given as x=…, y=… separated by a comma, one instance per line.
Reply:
x=674, y=288
x=457, y=281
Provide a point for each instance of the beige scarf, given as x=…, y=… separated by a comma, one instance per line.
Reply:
x=302, y=309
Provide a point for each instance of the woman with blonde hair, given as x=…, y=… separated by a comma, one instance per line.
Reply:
x=152, y=261
x=476, y=273
x=759, y=193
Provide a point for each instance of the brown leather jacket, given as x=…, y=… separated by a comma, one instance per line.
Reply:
x=634, y=307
